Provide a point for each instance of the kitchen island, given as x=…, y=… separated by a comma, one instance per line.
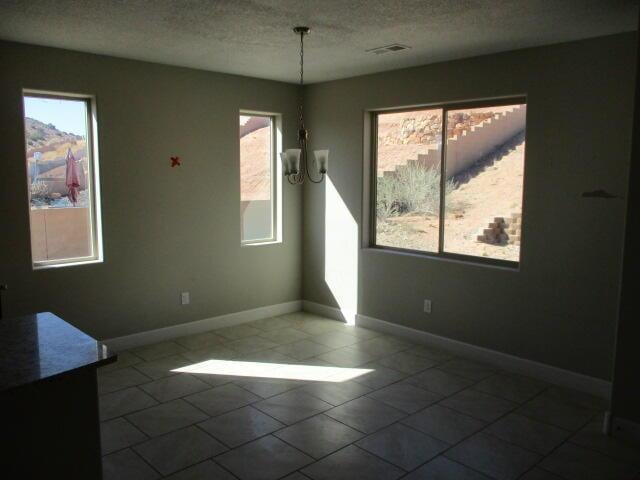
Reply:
x=49, y=399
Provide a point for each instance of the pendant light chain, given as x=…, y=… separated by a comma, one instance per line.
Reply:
x=302, y=136
x=301, y=78
x=301, y=59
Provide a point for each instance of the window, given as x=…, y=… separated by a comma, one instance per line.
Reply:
x=258, y=178
x=474, y=209
x=62, y=176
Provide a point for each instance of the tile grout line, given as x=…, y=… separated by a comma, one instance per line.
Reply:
x=364, y=433
x=375, y=359
x=568, y=440
x=443, y=453
x=476, y=382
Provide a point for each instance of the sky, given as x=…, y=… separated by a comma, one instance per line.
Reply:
x=66, y=115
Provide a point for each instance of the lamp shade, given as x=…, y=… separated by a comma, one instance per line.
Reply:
x=285, y=163
x=322, y=160
x=293, y=160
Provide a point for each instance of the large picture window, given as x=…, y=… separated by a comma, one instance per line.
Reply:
x=62, y=176
x=448, y=180
x=258, y=179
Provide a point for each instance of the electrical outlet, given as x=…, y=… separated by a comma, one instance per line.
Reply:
x=427, y=306
x=184, y=298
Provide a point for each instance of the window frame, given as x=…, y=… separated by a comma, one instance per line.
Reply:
x=95, y=210
x=275, y=172
x=373, y=178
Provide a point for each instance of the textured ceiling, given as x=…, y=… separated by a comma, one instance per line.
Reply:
x=254, y=37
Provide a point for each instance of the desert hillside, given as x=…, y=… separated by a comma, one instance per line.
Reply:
x=405, y=135
x=255, y=158
x=40, y=135
x=402, y=136
x=48, y=179
x=409, y=195
x=53, y=145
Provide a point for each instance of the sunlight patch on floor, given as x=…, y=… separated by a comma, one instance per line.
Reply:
x=283, y=371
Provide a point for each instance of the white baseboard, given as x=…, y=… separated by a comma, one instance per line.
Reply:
x=199, y=326
x=540, y=371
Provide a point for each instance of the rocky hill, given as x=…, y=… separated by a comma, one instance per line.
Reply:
x=53, y=145
x=39, y=134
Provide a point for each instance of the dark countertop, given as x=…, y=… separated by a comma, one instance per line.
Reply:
x=41, y=346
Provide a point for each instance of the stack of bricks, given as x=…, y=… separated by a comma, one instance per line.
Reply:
x=502, y=231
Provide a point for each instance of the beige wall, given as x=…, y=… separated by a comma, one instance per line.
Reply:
x=166, y=230
x=560, y=307
x=171, y=230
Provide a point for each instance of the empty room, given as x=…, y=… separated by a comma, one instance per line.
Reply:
x=318, y=240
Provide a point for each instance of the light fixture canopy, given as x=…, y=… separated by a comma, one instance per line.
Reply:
x=295, y=161
x=301, y=30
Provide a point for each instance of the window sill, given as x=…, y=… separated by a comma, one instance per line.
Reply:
x=260, y=243
x=504, y=265
x=47, y=266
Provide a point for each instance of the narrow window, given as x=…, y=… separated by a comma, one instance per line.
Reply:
x=257, y=178
x=472, y=210
x=62, y=176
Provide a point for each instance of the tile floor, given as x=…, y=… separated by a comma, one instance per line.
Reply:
x=303, y=397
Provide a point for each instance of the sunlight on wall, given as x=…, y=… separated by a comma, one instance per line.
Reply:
x=341, y=253
x=274, y=370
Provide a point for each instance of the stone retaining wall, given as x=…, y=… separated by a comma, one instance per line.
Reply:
x=465, y=150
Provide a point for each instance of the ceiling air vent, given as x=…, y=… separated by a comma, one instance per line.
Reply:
x=395, y=47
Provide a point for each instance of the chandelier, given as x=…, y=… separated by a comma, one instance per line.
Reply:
x=295, y=161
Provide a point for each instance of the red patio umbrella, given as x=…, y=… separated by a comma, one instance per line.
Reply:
x=73, y=177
